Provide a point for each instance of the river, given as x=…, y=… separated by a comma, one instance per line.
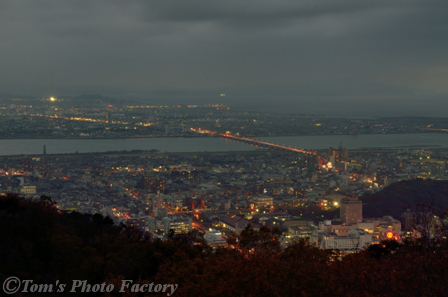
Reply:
x=210, y=144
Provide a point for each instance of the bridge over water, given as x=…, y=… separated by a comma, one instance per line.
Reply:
x=267, y=144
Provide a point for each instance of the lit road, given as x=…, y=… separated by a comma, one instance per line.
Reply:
x=268, y=144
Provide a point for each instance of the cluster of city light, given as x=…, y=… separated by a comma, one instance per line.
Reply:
x=116, y=212
x=13, y=173
x=87, y=119
x=18, y=106
x=392, y=236
x=126, y=169
x=92, y=120
x=152, y=106
x=327, y=166
x=77, y=119
x=203, y=131
x=119, y=214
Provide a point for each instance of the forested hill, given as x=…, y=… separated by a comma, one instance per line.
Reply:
x=40, y=242
x=394, y=198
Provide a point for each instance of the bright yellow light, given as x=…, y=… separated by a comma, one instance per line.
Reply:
x=52, y=99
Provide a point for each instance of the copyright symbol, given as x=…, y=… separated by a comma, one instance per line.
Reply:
x=11, y=285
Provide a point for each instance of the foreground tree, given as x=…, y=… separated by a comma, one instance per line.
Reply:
x=41, y=243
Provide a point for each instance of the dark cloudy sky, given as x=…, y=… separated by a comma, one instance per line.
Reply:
x=183, y=49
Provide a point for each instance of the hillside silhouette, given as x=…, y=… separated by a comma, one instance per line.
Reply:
x=40, y=242
x=394, y=199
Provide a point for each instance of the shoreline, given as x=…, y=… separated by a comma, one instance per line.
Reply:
x=149, y=154
x=206, y=136
x=203, y=153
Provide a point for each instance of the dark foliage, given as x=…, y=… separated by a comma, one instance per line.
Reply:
x=39, y=242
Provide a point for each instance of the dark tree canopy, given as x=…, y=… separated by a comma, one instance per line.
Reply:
x=41, y=243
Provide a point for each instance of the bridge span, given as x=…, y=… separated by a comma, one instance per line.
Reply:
x=267, y=144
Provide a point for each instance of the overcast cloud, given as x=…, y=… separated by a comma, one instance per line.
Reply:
x=244, y=48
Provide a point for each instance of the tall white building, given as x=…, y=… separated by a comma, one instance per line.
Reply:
x=357, y=239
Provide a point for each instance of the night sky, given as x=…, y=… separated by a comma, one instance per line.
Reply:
x=292, y=52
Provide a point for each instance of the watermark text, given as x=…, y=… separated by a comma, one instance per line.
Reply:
x=14, y=285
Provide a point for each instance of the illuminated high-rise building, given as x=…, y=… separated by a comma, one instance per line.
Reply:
x=339, y=153
x=351, y=210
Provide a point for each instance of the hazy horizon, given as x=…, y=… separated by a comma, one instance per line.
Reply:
x=343, y=58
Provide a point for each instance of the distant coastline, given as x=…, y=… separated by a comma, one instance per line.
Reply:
x=205, y=135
